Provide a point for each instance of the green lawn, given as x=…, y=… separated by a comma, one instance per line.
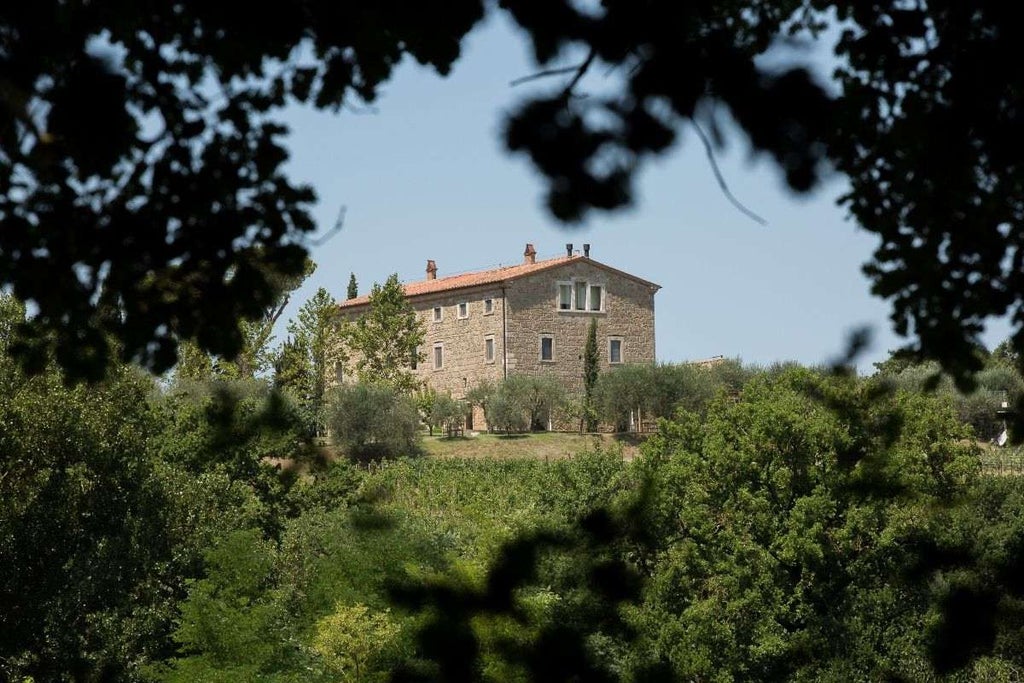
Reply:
x=537, y=446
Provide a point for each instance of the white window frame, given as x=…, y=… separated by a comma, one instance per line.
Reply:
x=540, y=348
x=574, y=303
x=489, y=338
x=459, y=308
x=611, y=341
x=438, y=314
x=577, y=305
x=438, y=346
x=489, y=306
x=558, y=295
x=591, y=286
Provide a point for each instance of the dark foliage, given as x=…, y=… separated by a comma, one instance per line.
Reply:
x=143, y=198
x=141, y=163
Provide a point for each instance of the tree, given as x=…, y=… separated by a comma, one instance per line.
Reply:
x=386, y=338
x=447, y=414
x=788, y=529
x=370, y=421
x=76, y=156
x=314, y=349
x=353, y=288
x=151, y=136
x=520, y=402
x=349, y=639
x=623, y=395
x=591, y=366
x=255, y=356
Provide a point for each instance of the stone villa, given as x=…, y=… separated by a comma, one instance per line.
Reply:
x=531, y=318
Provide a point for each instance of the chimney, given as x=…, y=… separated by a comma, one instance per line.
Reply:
x=586, y=250
x=431, y=270
x=568, y=249
x=530, y=255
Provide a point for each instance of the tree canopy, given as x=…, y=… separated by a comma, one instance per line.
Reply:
x=385, y=340
x=144, y=200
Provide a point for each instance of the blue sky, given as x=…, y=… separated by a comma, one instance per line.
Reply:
x=425, y=176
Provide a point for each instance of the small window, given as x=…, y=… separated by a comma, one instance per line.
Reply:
x=596, y=297
x=564, y=296
x=547, y=348
x=614, y=351
x=463, y=310
x=437, y=314
x=581, y=296
x=488, y=306
x=438, y=356
x=489, y=349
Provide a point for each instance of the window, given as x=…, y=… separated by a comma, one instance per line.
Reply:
x=580, y=295
x=547, y=347
x=488, y=306
x=437, y=314
x=464, y=310
x=438, y=356
x=564, y=296
x=614, y=351
x=489, y=349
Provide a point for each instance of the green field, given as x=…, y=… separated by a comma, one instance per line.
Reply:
x=537, y=446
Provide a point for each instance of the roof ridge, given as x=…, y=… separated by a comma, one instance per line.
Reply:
x=490, y=268
x=490, y=276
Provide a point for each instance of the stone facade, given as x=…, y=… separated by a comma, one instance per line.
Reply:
x=625, y=315
x=469, y=340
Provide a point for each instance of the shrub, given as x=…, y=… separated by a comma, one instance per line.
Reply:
x=447, y=413
x=370, y=421
x=520, y=402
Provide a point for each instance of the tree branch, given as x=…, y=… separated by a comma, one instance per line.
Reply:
x=338, y=225
x=718, y=176
x=546, y=73
x=578, y=70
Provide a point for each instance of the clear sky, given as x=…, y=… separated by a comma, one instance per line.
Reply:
x=425, y=176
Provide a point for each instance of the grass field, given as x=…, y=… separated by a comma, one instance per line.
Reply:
x=535, y=446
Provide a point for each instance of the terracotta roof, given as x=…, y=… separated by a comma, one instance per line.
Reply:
x=487, y=277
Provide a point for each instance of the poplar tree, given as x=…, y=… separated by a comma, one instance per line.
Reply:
x=386, y=338
x=590, y=370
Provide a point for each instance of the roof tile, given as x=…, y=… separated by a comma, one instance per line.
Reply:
x=474, y=279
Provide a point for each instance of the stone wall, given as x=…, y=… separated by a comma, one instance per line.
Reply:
x=627, y=315
x=522, y=312
x=463, y=339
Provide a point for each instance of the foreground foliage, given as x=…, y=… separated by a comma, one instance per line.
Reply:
x=805, y=526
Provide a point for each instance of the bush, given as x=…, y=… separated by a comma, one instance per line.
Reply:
x=520, y=402
x=447, y=414
x=373, y=421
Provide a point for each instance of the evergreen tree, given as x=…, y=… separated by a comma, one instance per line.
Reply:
x=387, y=337
x=590, y=370
x=353, y=287
x=310, y=355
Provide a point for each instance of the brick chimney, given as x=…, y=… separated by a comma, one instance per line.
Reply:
x=586, y=251
x=530, y=255
x=431, y=270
